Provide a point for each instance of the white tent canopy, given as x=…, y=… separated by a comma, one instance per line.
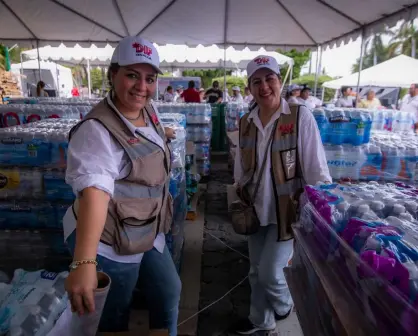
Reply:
x=240, y=23
x=400, y=71
x=171, y=56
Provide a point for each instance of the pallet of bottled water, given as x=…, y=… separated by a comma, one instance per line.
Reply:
x=233, y=114
x=32, y=303
x=18, y=114
x=40, y=144
x=387, y=157
x=195, y=113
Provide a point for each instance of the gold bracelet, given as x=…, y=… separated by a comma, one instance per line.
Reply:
x=75, y=264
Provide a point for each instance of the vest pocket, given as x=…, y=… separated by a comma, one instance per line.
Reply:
x=149, y=169
x=136, y=227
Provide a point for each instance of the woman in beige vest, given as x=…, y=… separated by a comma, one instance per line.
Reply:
x=118, y=167
x=281, y=150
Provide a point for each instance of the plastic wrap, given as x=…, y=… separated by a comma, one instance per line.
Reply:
x=365, y=238
x=234, y=112
x=194, y=113
x=388, y=157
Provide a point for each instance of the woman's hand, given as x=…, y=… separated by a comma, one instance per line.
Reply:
x=170, y=133
x=80, y=285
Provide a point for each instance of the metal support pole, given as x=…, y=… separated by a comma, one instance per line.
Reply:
x=88, y=78
x=225, y=69
x=316, y=68
x=361, y=62
x=58, y=80
x=285, y=79
x=39, y=59
x=291, y=74
x=413, y=42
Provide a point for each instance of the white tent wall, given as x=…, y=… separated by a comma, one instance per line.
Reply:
x=238, y=23
x=55, y=75
x=400, y=71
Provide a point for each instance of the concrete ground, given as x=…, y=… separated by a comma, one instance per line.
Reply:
x=222, y=268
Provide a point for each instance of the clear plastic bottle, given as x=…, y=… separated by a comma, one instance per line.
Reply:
x=34, y=321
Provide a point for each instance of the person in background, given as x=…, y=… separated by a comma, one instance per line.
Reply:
x=227, y=97
x=190, y=95
x=309, y=101
x=75, y=92
x=214, y=94
x=371, y=102
x=169, y=94
x=177, y=95
x=248, y=97
x=40, y=90
x=286, y=170
x=293, y=93
x=119, y=168
x=236, y=95
x=346, y=100
x=202, y=95
x=410, y=103
x=84, y=91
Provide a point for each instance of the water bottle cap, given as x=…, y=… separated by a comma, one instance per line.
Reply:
x=377, y=205
x=398, y=208
x=406, y=216
x=363, y=209
x=35, y=310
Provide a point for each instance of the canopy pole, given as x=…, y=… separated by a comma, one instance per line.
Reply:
x=361, y=63
x=104, y=82
x=58, y=80
x=88, y=77
x=291, y=74
x=21, y=74
x=285, y=79
x=225, y=89
x=39, y=60
x=316, y=69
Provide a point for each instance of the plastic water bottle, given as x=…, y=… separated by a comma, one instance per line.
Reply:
x=379, y=120
x=335, y=155
x=371, y=169
x=338, y=126
x=368, y=121
x=322, y=122
x=34, y=321
x=358, y=124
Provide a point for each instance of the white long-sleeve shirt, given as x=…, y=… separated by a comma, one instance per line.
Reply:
x=96, y=159
x=311, y=156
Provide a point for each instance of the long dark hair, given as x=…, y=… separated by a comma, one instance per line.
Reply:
x=39, y=87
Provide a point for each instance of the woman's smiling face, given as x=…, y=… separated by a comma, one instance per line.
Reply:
x=134, y=85
x=265, y=87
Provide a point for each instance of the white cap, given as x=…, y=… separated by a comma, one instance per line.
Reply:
x=134, y=50
x=260, y=62
x=236, y=88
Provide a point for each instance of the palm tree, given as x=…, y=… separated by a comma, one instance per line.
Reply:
x=404, y=40
x=377, y=54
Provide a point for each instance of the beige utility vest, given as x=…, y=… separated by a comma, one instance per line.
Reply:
x=141, y=206
x=286, y=173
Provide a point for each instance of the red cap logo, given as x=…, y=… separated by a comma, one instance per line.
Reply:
x=141, y=49
x=262, y=60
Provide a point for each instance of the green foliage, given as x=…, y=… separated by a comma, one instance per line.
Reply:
x=207, y=76
x=401, y=43
x=96, y=78
x=300, y=58
x=310, y=81
x=230, y=82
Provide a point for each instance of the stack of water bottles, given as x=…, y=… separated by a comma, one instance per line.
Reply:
x=353, y=152
x=198, y=129
x=233, y=114
x=33, y=192
x=32, y=303
x=20, y=114
x=367, y=236
x=175, y=238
